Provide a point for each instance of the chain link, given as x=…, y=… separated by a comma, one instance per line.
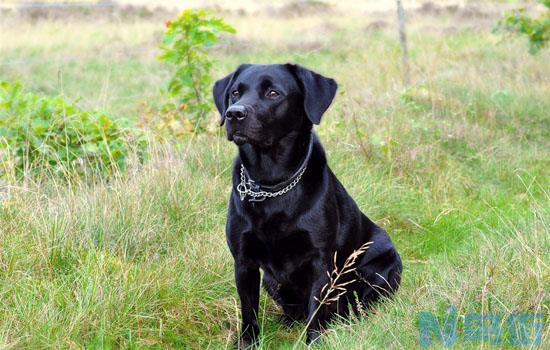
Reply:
x=248, y=188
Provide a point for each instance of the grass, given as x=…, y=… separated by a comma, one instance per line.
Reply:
x=455, y=167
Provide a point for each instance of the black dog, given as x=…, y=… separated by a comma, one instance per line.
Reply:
x=288, y=213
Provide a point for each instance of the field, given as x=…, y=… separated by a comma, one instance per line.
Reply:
x=456, y=167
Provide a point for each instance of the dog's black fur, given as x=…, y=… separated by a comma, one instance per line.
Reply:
x=269, y=112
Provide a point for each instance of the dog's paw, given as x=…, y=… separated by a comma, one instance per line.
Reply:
x=246, y=343
x=313, y=337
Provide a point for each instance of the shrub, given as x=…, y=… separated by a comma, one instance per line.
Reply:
x=537, y=30
x=185, y=45
x=39, y=133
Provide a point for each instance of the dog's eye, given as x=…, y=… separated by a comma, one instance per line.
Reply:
x=272, y=94
x=235, y=93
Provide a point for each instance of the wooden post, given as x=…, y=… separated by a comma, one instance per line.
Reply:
x=403, y=41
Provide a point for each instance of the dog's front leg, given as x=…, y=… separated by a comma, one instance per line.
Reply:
x=247, y=278
x=318, y=309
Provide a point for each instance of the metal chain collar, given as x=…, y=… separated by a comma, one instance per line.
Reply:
x=251, y=189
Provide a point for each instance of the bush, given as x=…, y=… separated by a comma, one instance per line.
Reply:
x=49, y=134
x=537, y=30
x=185, y=45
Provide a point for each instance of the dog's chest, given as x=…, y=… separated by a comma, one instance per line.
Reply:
x=278, y=240
x=280, y=247
x=288, y=258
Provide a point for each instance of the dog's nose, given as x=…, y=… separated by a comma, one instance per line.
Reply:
x=236, y=111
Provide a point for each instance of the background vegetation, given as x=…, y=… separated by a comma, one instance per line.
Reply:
x=42, y=135
x=454, y=166
x=537, y=30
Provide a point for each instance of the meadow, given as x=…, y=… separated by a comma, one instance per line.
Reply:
x=455, y=166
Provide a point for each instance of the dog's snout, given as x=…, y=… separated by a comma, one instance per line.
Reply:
x=236, y=111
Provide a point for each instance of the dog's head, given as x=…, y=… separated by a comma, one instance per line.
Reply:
x=260, y=104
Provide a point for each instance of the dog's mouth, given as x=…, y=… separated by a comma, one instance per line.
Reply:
x=240, y=139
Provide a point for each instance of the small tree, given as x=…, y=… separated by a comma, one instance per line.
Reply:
x=537, y=30
x=185, y=45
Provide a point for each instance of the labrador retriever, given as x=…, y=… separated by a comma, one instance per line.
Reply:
x=288, y=214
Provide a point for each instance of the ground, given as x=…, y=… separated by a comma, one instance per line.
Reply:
x=455, y=167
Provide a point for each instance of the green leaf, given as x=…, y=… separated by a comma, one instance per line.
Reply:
x=40, y=126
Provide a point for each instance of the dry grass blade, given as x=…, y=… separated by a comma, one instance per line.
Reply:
x=329, y=292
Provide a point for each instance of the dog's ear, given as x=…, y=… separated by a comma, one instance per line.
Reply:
x=221, y=95
x=318, y=91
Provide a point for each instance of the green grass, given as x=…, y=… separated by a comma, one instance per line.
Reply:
x=456, y=168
